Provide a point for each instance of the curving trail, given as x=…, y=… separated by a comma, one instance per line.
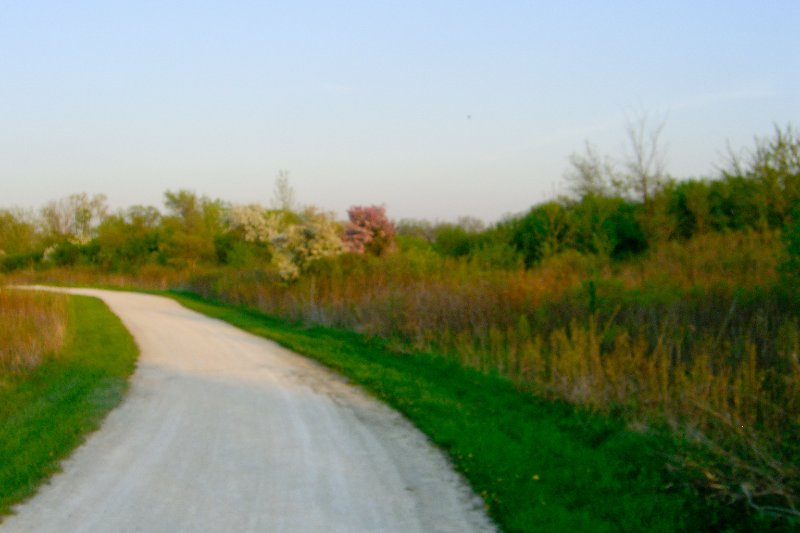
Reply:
x=224, y=431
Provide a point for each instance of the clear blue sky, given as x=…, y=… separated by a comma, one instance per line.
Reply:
x=368, y=102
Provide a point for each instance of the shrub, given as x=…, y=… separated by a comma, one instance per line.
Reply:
x=368, y=230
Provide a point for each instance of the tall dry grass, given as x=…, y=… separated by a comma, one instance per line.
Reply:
x=33, y=325
x=745, y=258
x=155, y=277
x=698, y=337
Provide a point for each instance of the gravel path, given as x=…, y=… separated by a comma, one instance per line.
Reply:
x=225, y=431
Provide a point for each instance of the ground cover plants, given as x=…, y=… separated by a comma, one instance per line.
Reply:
x=47, y=409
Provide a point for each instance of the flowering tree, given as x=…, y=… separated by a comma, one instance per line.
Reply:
x=368, y=230
x=315, y=236
x=295, y=239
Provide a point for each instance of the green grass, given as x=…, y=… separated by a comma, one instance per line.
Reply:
x=539, y=466
x=47, y=413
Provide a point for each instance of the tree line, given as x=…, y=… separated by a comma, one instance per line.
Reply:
x=614, y=209
x=618, y=210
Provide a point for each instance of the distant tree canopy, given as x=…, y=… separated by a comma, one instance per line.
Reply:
x=615, y=209
x=759, y=190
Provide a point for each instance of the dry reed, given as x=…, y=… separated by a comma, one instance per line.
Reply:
x=32, y=326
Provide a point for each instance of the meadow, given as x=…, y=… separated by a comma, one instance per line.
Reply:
x=669, y=306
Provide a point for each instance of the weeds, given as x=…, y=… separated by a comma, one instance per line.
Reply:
x=32, y=326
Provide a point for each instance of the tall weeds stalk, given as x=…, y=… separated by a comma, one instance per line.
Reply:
x=32, y=326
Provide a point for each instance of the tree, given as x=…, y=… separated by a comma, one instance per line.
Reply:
x=645, y=161
x=368, y=230
x=191, y=228
x=291, y=241
x=129, y=239
x=775, y=165
x=593, y=174
x=74, y=218
x=17, y=233
x=544, y=231
x=790, y=267
x=316, y=236
x=283, y=197
x=424, y=230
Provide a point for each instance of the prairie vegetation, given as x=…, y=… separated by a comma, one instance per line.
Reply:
x=33, y=326
x=671, y=305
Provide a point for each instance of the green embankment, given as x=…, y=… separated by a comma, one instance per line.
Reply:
x=46, y=414
x=540, y=466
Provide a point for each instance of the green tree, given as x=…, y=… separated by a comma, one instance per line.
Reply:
x=17, y=233
x=190, y=228
x=606, y=226
x=544, y=231
x=790, y=266
x=129, y=239
x=774, y=164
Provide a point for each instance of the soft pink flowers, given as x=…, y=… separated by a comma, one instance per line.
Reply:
x=368, y=230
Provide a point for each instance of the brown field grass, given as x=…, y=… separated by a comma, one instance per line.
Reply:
x=32, y=326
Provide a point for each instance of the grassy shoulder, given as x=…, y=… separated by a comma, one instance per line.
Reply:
x=47, y=413
x=539, y=466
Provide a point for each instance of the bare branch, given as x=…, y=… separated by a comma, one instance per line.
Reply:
x=646, y=162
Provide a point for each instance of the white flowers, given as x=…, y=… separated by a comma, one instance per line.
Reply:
x=295, y=239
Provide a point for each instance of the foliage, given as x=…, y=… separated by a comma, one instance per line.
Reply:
x=188, y=231
x=790, y=266
x=73, y=218
x=127, y=240
x=17, y=233
x=543, y=232
x=294, y=241
x=368, y=230
x=775, y=165
x=315, y=237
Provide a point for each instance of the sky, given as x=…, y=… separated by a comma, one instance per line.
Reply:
x=437, y=109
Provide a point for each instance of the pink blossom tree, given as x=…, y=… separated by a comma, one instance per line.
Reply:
x=368, y=230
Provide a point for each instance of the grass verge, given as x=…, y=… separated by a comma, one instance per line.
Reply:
x=45, y=414
x=539, y=466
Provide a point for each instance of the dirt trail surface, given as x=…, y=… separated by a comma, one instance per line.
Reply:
x=225, y=431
